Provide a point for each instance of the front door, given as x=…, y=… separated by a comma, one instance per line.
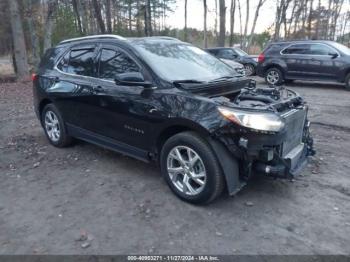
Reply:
x=127, y=112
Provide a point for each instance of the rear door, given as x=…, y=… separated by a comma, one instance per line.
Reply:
x=297, y=60
x=74, y=85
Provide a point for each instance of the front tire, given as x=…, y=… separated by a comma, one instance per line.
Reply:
x=191, y=168
x=274, y=76
x=54, y=127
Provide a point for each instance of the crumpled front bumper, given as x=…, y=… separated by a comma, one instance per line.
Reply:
x=291, y=164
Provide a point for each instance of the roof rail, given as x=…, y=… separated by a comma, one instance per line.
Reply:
x=92, y=37
x=166, y=38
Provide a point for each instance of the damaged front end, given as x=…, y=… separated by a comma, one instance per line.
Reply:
x=268, y=131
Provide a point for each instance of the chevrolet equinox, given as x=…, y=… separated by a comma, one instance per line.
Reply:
x=161, y=100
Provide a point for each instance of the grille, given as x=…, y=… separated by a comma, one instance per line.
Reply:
x=295, y=120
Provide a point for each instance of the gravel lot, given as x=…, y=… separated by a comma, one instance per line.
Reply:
x=88, y=200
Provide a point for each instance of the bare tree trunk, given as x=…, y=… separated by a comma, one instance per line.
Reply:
x=292, y=17
x=246, y=24
x=51, y=6
x=20, y=54
x=185, y=27
x=278, y=19
x=232, y=20
x=77, y=15
x=108, y=16
x=309, y=26
x=318, y=20
x=138, y=22
x=84, y=17
x=148, y=19
x=260, y=4
x=205, y=40
x=240, y=23
x=98, y=15
x=222, y=34
x=33, y=34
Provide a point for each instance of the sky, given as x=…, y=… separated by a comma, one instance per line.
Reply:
x=195, y=14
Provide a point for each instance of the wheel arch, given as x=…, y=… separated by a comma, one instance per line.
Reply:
x=43, y=103
x=275, y=65
x=174, y=129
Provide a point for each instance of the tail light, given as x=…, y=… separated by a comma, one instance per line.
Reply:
x=34, y=77
x=261, y=58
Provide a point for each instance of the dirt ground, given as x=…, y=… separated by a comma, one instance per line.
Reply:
x=88, y=200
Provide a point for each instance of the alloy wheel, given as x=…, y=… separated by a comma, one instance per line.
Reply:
x=186, y=170
x=52, y=126
x=273, y=77
x=249, y=69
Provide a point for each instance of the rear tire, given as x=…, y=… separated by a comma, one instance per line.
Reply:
x=347, y=82
x=199, y=181
x=274, y=76
x=54, y=127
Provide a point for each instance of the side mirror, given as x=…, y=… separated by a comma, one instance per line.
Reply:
x=333, y=54
x=132, y=79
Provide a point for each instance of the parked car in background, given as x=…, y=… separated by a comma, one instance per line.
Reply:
x=161, y=100
x=233, y=53
x=305, y=60
x=239, y=68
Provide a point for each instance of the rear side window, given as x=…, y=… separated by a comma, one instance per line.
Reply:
x=78, y=62
x=299, y=49
x=114, y=62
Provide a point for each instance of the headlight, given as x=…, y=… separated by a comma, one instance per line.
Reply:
x=258, y=121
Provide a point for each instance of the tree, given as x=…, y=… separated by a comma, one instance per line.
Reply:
x=185, y=27
x=48, y=26
x=222, y=33
x=232, y=20
x=246, y=24
x=109, y=17
x=260, y=4
x=240, y=22
x=20, y=53
x=98, y=15
x=205, y=40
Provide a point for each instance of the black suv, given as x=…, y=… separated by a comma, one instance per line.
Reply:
x=159, y=99
x=305, y=60
x=233, y=53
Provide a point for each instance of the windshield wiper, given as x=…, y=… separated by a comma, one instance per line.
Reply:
x=221, y=78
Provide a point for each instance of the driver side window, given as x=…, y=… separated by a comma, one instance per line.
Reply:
x=114, y=62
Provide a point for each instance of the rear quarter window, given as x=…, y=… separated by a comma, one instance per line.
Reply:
x=50, y=57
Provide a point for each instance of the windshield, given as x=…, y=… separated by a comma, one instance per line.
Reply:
x=240, y=52
x=180, y=61
x=342, y=48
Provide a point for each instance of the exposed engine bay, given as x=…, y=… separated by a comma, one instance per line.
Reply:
x=275, y=98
